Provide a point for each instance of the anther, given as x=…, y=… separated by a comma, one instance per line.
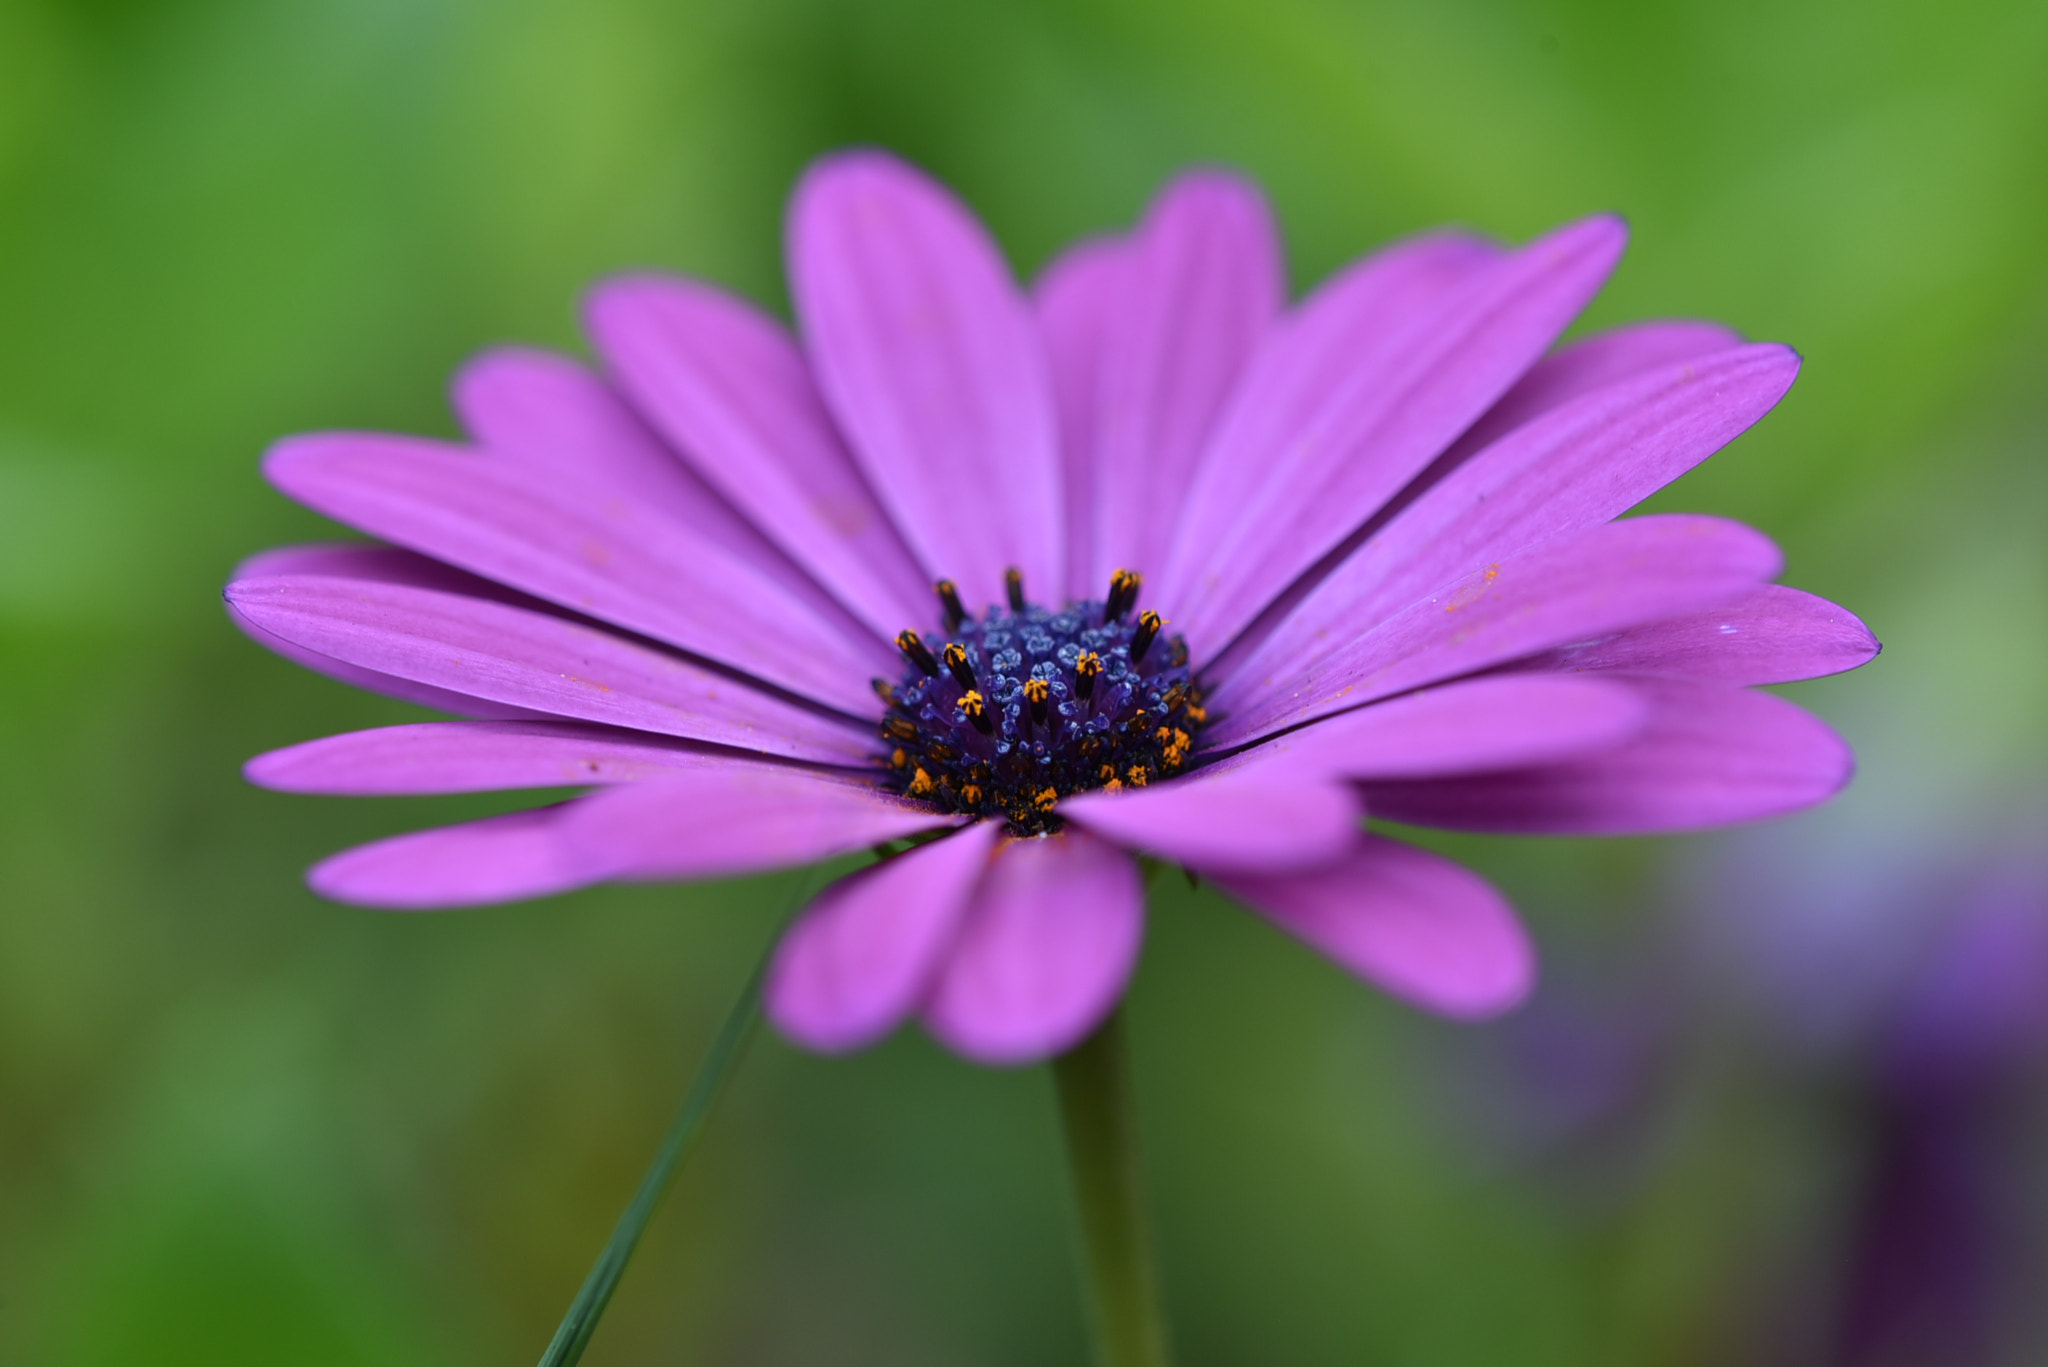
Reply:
x=1123, y=595
x=899, y=728
x=1036, y=692
x=1149, y=623
x=949, y=602
x=915, y=650
x=921, y=784
x=898, y=759
x=1085, y=670
x=884, y=690
x=971, y=708
x=955, y=658
x=1013, y=584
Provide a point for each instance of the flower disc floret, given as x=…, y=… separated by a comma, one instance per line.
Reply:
x=1009, y=712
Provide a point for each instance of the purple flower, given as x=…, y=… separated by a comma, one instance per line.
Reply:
x=1214, y=578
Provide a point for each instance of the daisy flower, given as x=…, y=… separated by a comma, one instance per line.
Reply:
x=1020, y=587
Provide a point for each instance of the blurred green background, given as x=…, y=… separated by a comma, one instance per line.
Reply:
x=238, y=1125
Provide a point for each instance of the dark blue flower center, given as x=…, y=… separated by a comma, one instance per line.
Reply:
x=1006, y=713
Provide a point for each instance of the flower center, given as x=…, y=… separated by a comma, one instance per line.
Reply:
x=1009, y=712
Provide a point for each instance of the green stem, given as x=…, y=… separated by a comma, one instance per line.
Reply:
x=1094, y=1080
x=581, y=1322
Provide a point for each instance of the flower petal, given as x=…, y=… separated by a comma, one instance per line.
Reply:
x=727, y=385
x=382, y=564
x=1411, y=922
x=534, y=661
x=1600, y=581
x=1578, y=466
x=587, y=548
x=1044, y=952
x=1588, y=364
x=728, y=822
x=1076, y=298
x=1273, y=497
x=499, y=859
x=1775, y=635
x=1254, y=816
x=550, y=412
x=478, y=757
x=1711, y=755
x=1204, y=285
x=1474, y=726
x=861, y=958
x=928, y=356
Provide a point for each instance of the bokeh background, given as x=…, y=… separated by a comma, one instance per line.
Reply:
x=1780, y=1100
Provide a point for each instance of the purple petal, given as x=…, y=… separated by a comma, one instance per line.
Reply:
x=477, y=757
x=1711, y=755
x=1577, y=467
x=1590, y=364
x=499, y=859
x=1409, y=921
x=1203, y=287
x=587, y=548
x=1775, y=635
x=382, y=564
x=1476, y=726
x=1076, y=297
x=1600, y=581
x=549, y=413
x=728, y=386
x=1044, y=952
x=861, y=958
x=928, y=355
x=534, y=661
x=1290, y=492
x=727, y=822
x=1255, y=816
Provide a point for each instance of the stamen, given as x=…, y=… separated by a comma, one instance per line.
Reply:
x=1123, y=594
x=1036, y=691
x=955, y=658
x=1085, y=670
x=899, y=728
x=884, y=690
x=1149, y=623
x=949, y=602
x=970, y=706
x=1013, y=582
x=915, y=650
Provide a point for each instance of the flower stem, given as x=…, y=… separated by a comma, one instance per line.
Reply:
x=1096, y=1110
x=580, y=1323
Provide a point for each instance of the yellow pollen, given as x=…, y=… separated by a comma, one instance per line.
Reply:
x=1197, y=713
x=1044, y=798
x=970, y=703
x=1089, y=663
x=1107, y=773
x=1115, y=785
x=1137, y=774
x=898, y=759
x=972, y=794
x=921, y=783
x=1036, y=690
